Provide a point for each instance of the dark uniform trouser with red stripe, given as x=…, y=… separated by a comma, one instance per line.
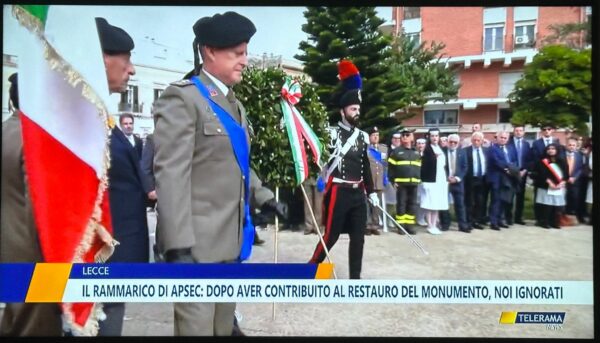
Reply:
x=344, y=209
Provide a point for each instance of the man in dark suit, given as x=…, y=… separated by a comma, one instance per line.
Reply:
x=523, y=153
x=476, y=187
x=147, y=165
x=537, y=151
x=502, y=160
x=575, y=164
x=126, y=125
x=456, y=168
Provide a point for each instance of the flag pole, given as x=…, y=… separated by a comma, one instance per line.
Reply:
x=312, y=214
x=275, y=245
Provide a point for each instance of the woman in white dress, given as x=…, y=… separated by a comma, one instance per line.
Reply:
x=434, y=195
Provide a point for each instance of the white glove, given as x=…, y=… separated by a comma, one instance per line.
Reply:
x=374, y=199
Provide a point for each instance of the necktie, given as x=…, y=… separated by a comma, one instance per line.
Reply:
x=570, y=162
x=479, y=168
x=519, y=152
x=547, y=141
x=231, y=98
x=452, y=162
x=505, y=153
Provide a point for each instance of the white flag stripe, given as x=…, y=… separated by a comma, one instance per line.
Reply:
x=69, y=118
x=82, y=49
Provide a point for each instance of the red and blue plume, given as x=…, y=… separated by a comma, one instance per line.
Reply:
x=349, y=75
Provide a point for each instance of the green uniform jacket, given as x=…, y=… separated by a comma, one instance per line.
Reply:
x=198, y=181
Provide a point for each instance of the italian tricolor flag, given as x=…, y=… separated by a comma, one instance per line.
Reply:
x=298, y=130
x=62, y=93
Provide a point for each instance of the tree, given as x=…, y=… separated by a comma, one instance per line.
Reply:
x=573, y=35
x=417, y=76
x=271, y=155
x=556, y=88
x=351, y=33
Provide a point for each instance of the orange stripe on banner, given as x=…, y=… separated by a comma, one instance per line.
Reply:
x=48, y=282
x=324, y=271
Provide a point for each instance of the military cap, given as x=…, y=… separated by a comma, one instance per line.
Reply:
x=224, y=30
x=397, y=134
x=372, y=129
x=421, y=140
x=405, y=130
x=113, y=40
x=351, y=97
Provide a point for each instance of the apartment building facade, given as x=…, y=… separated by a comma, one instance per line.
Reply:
x=488, y=48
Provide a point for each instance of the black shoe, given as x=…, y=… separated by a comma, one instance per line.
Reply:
x=258, y=241
x=520, y=222
x=509, y=223
x=465, y=230
x=367, y=232
x=444, y=228
x=504, y=226
x=555, y=226
x=495, y=227
x=544, y=226
x=375, y=232
x=477, y=226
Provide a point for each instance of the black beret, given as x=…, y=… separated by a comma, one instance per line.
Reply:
x=224, y=30
x=113, y=40
x=351, y=97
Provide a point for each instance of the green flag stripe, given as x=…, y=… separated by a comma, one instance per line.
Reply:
x=38, y=11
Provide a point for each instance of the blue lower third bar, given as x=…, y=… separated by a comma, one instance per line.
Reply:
x=194, y=271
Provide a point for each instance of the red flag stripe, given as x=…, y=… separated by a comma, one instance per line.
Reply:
x=63, y=190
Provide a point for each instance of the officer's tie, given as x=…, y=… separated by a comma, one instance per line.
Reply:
x=233, y=103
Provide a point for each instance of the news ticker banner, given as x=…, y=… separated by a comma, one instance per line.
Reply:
x=262, y=283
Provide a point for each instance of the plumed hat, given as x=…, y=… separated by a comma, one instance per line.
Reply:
x=350, y=77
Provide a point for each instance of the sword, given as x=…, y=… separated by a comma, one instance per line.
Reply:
x=414, y=241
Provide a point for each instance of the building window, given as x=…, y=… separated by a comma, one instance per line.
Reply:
x=493, y=38
x=524, y=35
x=414, y=38
x=504, y=115
x=507, y=83
x=412, y=12
x=157, y=93
x=130, y=100
x=440, y=117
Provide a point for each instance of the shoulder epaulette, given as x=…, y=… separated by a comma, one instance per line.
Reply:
x=182, y=83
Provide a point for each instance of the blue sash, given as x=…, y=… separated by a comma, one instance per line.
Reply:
x=378, y=158
x=241, y=150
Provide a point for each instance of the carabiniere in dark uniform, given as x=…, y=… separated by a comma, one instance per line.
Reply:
x=345, y=202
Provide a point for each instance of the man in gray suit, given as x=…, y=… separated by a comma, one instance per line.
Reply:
x=202, y=188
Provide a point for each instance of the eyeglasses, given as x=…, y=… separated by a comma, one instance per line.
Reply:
x=548, y=129
x=406, y=135
x=453, y=142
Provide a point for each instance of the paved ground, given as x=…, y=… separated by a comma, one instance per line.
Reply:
x=518, y=253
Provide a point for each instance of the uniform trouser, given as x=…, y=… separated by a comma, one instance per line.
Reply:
x=316, y=201
x=572, y=198
x=406, y=203
x=113, y=324
x=582, y=185
x=346, y=210
x=203, y=319
x=519, y=202
x=497, y=207
x=28, y=319
x=374, y=213
x=458, y=195
x=475, y=195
